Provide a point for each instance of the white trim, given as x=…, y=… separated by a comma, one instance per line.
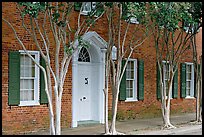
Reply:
x=192, y=80
x=36, y=81
x=97, y=52
x=189, y=97
x=134, y=20
x=85, y=12
x=164, y=68
x=88, y=53
x=134, y=98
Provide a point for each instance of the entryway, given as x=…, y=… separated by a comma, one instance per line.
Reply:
x=88, y=78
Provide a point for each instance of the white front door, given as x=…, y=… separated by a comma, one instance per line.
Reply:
x=84, y=92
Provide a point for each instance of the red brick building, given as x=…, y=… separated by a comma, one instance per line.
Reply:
x=21, y=118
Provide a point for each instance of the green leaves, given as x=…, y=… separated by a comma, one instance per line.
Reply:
x=83, y=43
x=68, y=49
x=169, y=14
x=32, y=8
x=134, y=10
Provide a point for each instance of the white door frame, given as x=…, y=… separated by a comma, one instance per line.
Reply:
x=99, y=47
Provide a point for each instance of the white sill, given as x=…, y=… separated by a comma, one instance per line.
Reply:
x=131, y=100
x=189, y=97
x=29, y=103
x=85, y=13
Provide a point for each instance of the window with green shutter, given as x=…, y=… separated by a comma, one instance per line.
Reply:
x=158, y=83
x=122, y=93
x=132, y=84
x=140, y=80
x=183, y=80
x=23, y=78
x=43, y=95
x=14, y=78
x=175, y=85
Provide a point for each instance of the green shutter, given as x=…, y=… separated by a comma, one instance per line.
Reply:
x=122, y=94
x=175, y=85
x=140, y=80
x=14, y=78
x=183, y=80
x=77, y=6
x=195, y=82
x=158, y=84
x=43, y=95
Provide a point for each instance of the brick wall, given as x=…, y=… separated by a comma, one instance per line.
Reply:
x=18, y=120
x=15, y=119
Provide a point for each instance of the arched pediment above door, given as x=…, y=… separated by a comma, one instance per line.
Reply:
x=96, y=49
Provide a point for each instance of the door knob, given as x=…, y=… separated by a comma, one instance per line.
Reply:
x=84, y=97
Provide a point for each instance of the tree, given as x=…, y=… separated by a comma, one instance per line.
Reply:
x=197, y=59
x=116, y=13
x=171, y=42
x=47, y=18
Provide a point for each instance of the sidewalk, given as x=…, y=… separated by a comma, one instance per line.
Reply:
x=134, y=127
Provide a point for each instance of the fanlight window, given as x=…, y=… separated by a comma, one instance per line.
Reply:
x=84, y=55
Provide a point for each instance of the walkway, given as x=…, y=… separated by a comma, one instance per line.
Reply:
x=136, y=126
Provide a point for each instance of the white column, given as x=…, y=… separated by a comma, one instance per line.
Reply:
x=102, y=86
x=74, y=90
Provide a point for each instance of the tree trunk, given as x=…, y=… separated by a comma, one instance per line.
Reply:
x=52, y=127
x=106, y=111
x=106, y=95
x=201, y=89
x=198, y=102
x=167, y=123
x=114, y=110
x=58, y=116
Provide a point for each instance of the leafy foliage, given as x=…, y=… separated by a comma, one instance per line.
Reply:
x=169, y=14
x=33, y=8
x=134, y=10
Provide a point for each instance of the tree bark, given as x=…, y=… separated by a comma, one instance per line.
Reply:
x=167, y=123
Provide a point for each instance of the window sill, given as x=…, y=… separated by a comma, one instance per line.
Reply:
x=189, y=97
x=29, y=103
x=85, y=13
x=131, y=100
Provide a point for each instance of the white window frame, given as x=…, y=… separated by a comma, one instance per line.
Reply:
x=134, y=98
x=134, y=20
x=192, y=81
x=85, y=12
x=186, y=28
x=36, y=81
x=164, y=69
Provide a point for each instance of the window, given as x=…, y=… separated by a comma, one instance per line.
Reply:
x=29, y=79
x=132, y=82
x=133, y=20
x=88, y=6
x=189, y=80
x=190, y=27
x=166, y=74
x=84, y=55
x=131, y=92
